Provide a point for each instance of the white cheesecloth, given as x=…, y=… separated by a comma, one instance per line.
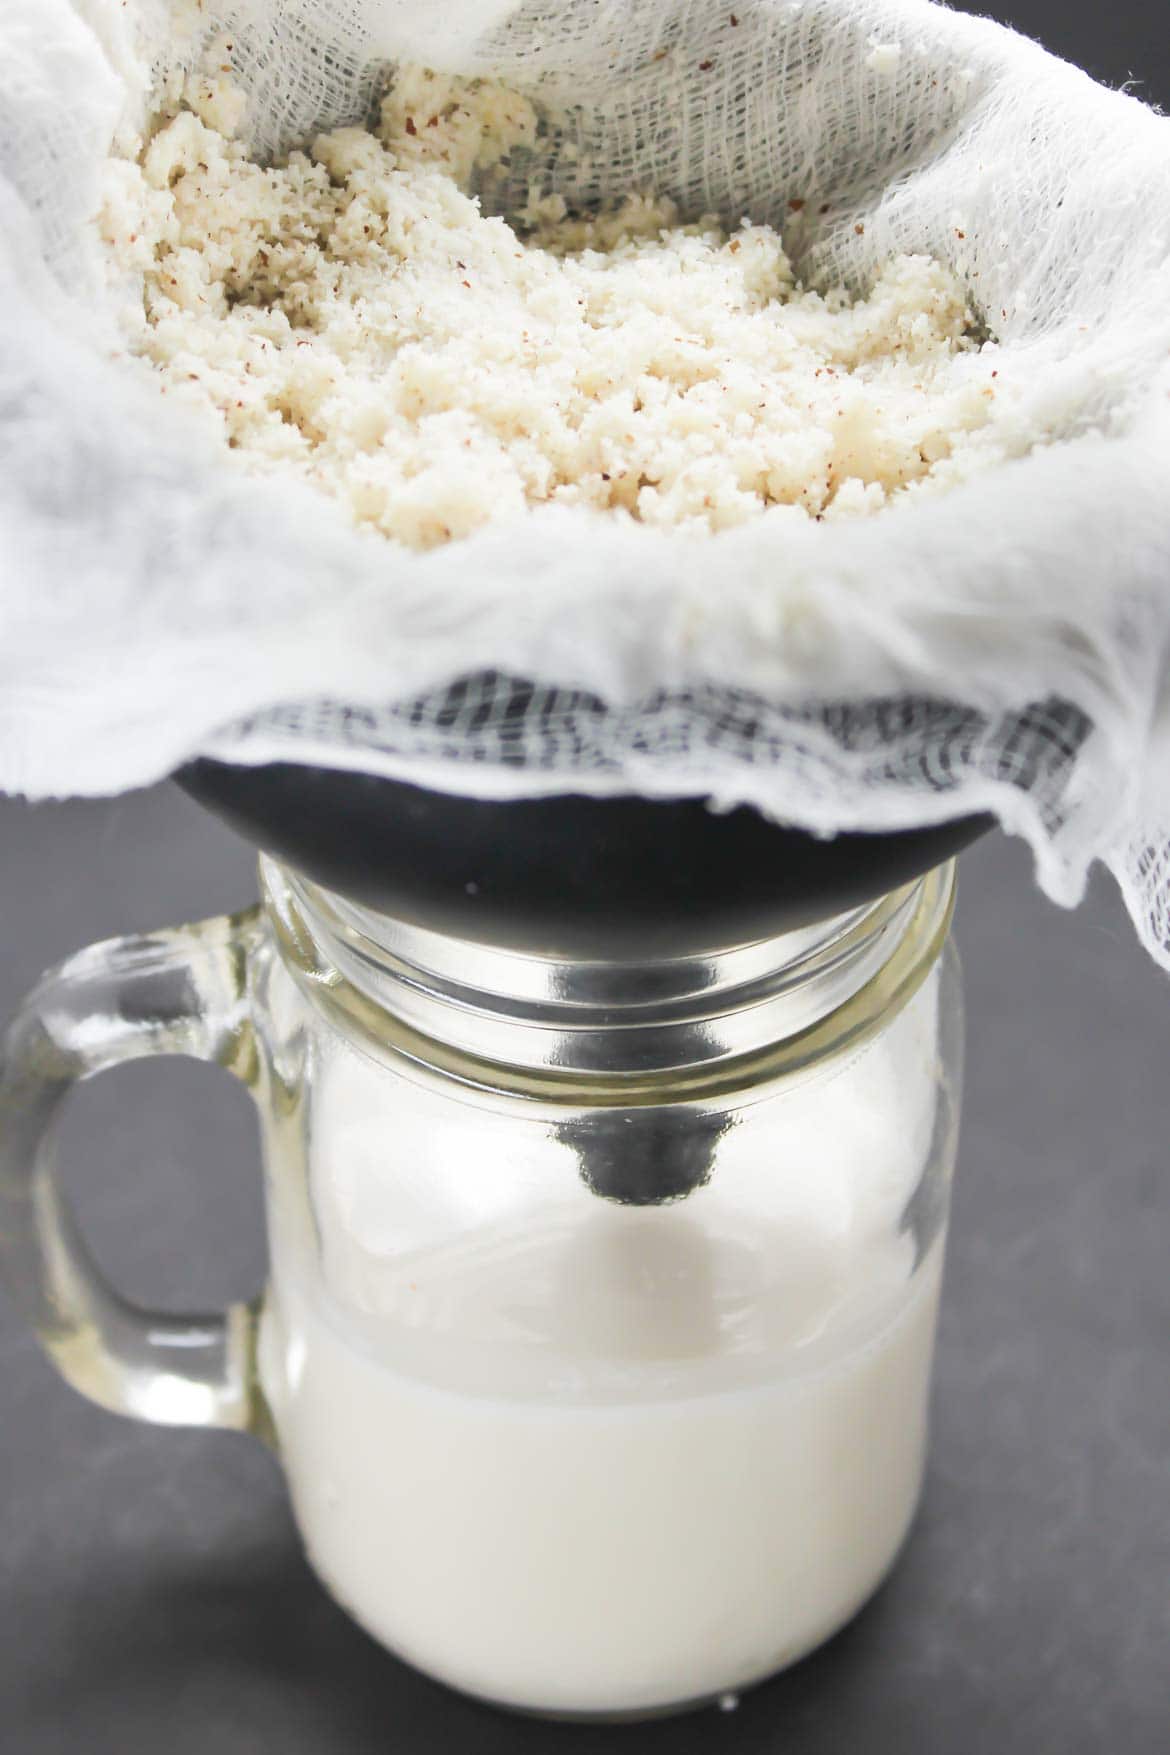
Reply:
x=1002, y=647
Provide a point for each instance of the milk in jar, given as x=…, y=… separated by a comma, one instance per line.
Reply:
x=593, y=1458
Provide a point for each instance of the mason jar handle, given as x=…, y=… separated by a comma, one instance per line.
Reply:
x=181, y=992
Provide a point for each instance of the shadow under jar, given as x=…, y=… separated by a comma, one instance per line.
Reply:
x=598, y=1339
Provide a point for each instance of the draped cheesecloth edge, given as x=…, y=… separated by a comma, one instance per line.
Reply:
x=1002, y=647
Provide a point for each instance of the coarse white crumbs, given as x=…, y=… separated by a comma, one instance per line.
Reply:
x=883, y=57
x=352, y=316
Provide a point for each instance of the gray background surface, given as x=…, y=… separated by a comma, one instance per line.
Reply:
x=152, y=1594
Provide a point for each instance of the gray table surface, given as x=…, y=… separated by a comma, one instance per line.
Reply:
x=152, y=1593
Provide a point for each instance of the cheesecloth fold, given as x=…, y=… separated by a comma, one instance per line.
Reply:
x=1002, y=647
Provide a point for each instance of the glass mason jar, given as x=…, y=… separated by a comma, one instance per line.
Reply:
x=598, y=1339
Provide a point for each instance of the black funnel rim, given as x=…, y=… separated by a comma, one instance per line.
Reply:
x=568, y=876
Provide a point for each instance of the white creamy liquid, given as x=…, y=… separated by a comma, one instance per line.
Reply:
x=583, y=1458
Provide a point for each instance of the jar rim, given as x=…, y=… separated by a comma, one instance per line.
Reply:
x=382, y=1008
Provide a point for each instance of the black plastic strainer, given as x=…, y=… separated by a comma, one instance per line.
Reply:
x=569, y=876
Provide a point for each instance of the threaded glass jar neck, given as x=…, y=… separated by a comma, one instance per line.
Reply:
x=496, y=1017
